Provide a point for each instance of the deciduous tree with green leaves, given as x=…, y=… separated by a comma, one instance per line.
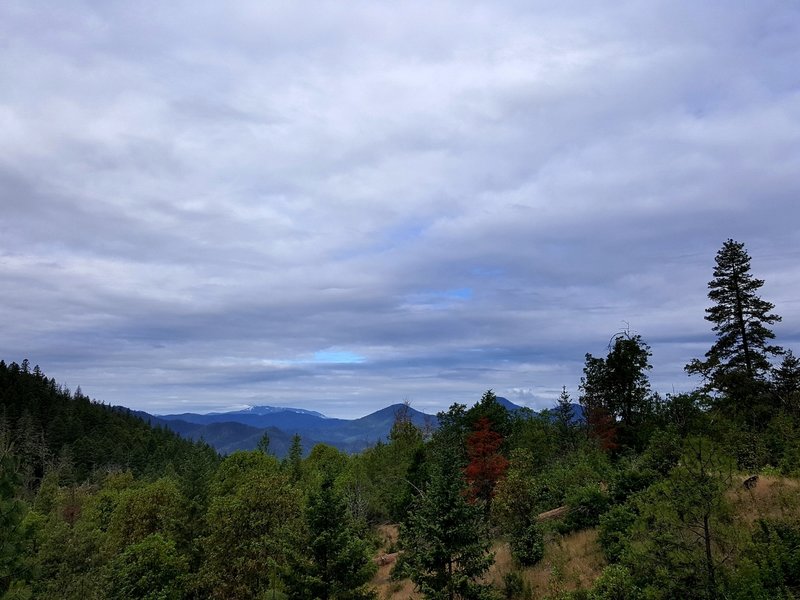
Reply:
x=151, y=569
x=253, y=517
x=615, y=391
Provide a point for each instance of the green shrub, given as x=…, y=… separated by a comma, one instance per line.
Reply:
x=527, y=545
x=553, y=486
x=662, y=453
x=515, y=587
x=629, y=481
x=777, y=551
x=790, y=462
x=615, y=583
x=750, y=451
x=151, y=569
x=747, y=583
x=614, y=531
x=586, y=504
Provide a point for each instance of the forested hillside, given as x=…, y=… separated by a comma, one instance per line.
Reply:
x=691, y=495
x=53, y=427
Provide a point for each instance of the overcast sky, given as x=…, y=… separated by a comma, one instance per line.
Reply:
x=343, y=205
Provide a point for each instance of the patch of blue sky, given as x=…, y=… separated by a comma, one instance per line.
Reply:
x=454, y=294
x=337, y=357
x=457, y=294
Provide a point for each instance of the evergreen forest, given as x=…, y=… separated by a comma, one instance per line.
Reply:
x=633, y=495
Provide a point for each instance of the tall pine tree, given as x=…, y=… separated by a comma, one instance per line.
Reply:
x=12, y=512
x=564, y=421
x=447, y=547
x=786, y=383
x=294, y=459
x=741, y=355
x=333, y=563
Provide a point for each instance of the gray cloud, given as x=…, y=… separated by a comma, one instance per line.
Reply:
x=200, y=201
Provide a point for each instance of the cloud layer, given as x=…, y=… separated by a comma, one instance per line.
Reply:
x=340, y=207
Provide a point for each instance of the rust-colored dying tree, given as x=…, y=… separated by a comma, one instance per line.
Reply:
x=486, y=463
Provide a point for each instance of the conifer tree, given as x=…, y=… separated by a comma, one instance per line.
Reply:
x=294, y=459
x=12, y=512
x=489, y=407
x=786, y=383
x=263, y=443
x=741, y=319
x=334, y=562
x=684, y=535
x=564, y=420
x=447, y=548
x=486, y=464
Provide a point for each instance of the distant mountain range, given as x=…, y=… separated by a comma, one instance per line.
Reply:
x=243, y=429
x=267, y=410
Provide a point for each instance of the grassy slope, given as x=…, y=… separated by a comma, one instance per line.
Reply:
x=574, y=561
x=772, y=497
x=570, y=562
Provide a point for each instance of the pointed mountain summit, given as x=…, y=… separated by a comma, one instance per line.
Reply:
x=508, y=405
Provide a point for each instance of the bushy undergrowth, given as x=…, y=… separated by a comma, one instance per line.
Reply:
x=527, y=545
x=586, y=504
x=614, y=531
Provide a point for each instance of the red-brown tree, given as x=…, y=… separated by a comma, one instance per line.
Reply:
x=486, y=465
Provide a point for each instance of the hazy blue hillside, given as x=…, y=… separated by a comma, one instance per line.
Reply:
x=230, y=436
x=242, y=429
x=366, y=431
x=286, y=419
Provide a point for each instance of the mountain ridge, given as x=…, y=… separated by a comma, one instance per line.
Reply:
x=242, y=429
x=266, y=409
